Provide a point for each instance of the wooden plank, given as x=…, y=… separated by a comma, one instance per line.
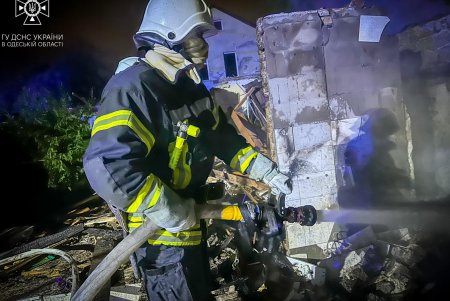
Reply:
x=251, y=137
x=240, y=180
x=44, y=241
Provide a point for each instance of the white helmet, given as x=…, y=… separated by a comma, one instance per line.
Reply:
x=170, y=22
x=125, y=63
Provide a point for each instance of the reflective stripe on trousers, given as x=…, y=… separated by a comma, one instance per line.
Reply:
x=192, y=237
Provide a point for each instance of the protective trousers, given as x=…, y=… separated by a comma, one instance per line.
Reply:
x=175, y=273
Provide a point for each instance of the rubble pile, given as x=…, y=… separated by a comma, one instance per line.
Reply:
x=42, y=277
x=384, y=267
x=373, y=263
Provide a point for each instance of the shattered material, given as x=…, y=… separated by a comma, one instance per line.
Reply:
x=126, y=292
x=309, y=271
x=352, y=270
x=409, y=256
x=394, y=278
x=226, y=294
x=61, y=297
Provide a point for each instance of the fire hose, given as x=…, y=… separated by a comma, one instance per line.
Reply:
x=305, y=215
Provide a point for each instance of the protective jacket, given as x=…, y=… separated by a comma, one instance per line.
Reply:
x=133, y=137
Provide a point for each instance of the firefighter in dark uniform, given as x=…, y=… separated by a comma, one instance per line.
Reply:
x=153, y=146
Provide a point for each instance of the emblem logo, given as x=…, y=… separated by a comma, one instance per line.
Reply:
x=32, y=9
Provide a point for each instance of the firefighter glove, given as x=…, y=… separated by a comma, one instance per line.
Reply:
x=172, y=212
x=264, y=169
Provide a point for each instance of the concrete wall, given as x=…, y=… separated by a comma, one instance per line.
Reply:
x=339, y=124
x=425, y=61
x=432, y=41
x=237, y=37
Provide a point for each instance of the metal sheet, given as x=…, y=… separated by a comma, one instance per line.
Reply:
x=371, y=28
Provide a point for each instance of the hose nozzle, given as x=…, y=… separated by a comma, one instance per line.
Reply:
x=304, y=215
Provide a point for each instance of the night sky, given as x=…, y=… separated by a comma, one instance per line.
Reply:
x=98, y=33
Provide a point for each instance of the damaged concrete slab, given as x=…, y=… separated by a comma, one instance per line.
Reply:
x=335, y=108
x=424, y=57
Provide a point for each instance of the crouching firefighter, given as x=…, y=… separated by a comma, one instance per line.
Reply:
x=153, y=145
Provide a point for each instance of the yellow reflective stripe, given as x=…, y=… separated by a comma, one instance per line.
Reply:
x=145, y=192
x=112, y=124
x=141, y=195
x=238, y=155
x=100, y=119
x=178, y=234
x=182, y=174
x=246, y=163
x=242, y=159
x=162, y=237
x=183, y=238
x=174, y=243
x=155, y=198
x=135, y=219
x=134, y=225
x=216, y=115
x=124, y=118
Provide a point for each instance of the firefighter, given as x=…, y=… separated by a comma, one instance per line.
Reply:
x=153, y=146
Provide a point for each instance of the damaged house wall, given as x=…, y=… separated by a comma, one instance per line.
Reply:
x=338, y=120
x=235, y=36
x=425, y=61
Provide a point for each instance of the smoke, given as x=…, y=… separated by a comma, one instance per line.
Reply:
x=424, y=219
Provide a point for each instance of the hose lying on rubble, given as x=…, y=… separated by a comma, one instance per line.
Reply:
x=121, y=253
x=305, y=215
x=34, y=252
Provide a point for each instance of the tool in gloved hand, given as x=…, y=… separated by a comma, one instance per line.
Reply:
x=262, y=229
x=264, y=169
x=270, y=217
x=304, y=215
x=184, y=131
